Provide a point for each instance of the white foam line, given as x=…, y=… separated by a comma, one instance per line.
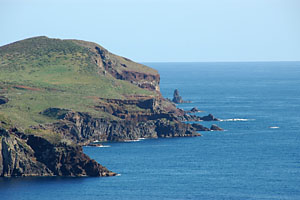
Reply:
x=236, y=120
x=132, y=140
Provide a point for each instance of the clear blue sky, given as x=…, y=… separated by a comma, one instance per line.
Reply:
x=164, y=30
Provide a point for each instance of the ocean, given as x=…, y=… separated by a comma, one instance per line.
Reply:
x=257, y=157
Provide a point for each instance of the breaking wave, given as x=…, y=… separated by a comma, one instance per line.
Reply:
x=137, y=140
x=273, y=126
x=236, y=120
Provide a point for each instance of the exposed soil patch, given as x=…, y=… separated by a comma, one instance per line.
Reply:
x=23, y=87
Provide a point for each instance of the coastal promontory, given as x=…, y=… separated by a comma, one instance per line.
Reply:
x=57, y=95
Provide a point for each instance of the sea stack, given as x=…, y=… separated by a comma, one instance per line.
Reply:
x=176, y=97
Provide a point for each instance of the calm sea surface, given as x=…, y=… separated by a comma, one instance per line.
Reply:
x=257, y=157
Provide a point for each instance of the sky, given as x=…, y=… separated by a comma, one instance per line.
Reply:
x=164, y=30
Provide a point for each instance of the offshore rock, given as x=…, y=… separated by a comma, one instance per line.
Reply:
x=29, y=155
x=214, y=127
x=209, y=117
x=199, y=127
x=194, y=110
x=177, y=98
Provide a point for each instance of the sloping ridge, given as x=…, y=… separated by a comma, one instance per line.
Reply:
x=122, y=68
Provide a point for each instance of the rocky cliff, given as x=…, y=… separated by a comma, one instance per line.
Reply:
x=83, y=128
x=29, y=155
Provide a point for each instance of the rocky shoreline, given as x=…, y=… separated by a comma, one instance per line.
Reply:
x=155, y=118
x=126, y=105
x=26, y=154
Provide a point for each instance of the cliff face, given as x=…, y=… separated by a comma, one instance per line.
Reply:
x=29, y=155
x=122, y=68
x=83, y=129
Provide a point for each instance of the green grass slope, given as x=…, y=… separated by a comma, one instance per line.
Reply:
x=40, y=72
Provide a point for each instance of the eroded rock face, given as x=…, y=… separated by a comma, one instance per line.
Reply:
x=83, y=129
x=29, y=155
x=141, y=79
x=138, y=117
x=120, y=68
x=17, y=158
x=138, y=109
x=187, y=117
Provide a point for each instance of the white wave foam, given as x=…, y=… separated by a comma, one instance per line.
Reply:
x=273, y=126
x=103, y=146
x=235, y=120
x=137, y=140
x=132, y=140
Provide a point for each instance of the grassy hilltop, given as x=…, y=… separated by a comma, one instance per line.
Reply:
x=39, y=73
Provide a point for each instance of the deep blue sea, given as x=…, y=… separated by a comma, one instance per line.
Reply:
x=257, y=157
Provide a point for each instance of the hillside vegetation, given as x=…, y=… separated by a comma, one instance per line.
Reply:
x=39, y=73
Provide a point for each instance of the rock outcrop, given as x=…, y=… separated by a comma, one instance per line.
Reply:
x=135, y=117
x=187, y=117
x=29, y=155
x=177, y=98
x=209, y=117
x=214, y=127
x=122, y=68
x=84, y=129
x=194, y=110
x=199, y=127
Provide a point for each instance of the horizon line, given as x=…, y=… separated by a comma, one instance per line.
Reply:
x=217, y=61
